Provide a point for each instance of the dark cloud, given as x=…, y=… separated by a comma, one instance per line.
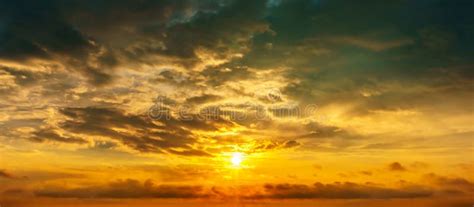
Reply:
x=291, y=144
x=5, y=174
x=174, y=29
x=125, y=189
x=202, y=99
x=167, y=28
x=396, y=166
x=32, y=28
x=274, y=145
x=175, y=78
x=383, y=90
x=456, y=185
x=190, y=152
x=369, y=62
x=229, y=27
x=345, y=190
x=22, y=77
x=88, y=36
x=402, y=48
x=125, y=17
x=162, y=134
x=51, y=135
x=131, y=188
x=318, y=130
x=39, y=30
x=38, y=86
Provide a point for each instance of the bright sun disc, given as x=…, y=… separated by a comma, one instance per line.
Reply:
x=236, y=158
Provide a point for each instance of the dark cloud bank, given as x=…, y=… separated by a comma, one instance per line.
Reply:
x=166, y=134
x=442, y=186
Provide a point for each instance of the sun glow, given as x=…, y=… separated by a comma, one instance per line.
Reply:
x=236, y=158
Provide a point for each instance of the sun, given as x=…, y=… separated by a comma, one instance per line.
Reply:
x=236, y=158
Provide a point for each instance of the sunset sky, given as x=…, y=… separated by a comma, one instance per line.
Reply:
x=236, y=103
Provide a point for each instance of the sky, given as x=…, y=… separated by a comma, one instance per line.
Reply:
x=236, y=103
